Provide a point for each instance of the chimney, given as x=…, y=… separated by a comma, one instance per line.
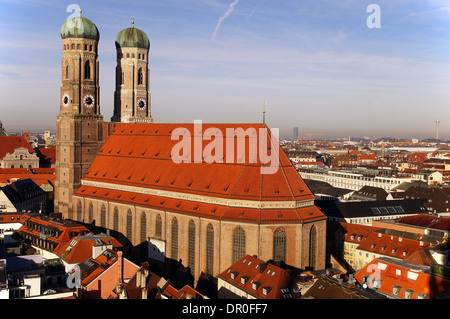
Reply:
x=119, y=266
x=144, y=293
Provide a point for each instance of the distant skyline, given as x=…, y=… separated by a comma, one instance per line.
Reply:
x=316, y=63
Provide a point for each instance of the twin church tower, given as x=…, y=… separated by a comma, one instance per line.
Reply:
x=80, y=129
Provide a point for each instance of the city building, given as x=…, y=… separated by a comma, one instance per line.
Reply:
x=369, y=193
x=16, y=152
x=352, y=180
x=22, y=195
x=423, y=224
x=143, y=285
x=253, y=278
x=437, y=198
x=105, y=275
x=84, y=247
x=9, y=224
x=397, y=279
x=46, y=233
x=365, y=212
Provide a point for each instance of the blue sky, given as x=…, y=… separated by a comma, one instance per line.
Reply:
x=316, y=63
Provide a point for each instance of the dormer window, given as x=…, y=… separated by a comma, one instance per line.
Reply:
x=255, y=285
x=244, y=279
x=266, y=290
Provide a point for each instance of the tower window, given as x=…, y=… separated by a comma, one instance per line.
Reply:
x=90, y=47
x=87, y=70
x=67, y=71
x=139, y=56
x=78, y=47
x=85, y=47
x=143, y=56
x=73, y=46
x=140, y=77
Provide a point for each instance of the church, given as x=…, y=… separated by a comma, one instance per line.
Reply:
x=127, y=176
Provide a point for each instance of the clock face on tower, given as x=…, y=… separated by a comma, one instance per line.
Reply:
x=89, y=101
x=141, y=104
x=65, y=100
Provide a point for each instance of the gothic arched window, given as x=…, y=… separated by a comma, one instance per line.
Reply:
x=238, y=244
x=312, y=247
x=143, y=227
x=87, y=70
x=210, y=249
x=191, y=246
x=130, y=225
x=158, y=226
x=116, y=219
x=140, y=77
x=91, y=213
x=103, y=216
x=79, y=212
x=174, y=246
x=279, y=245
x=67, y=71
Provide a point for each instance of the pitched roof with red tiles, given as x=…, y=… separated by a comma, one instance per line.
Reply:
x=187, y=292
x=80, y=248
x=355, y=233
x=391, y=246
x=428, y=221
x=141, y=155
x=9, y=143
x=408, y=277
x=201, y=209
x=60, y=231
x=47, y=155
x=257, y=278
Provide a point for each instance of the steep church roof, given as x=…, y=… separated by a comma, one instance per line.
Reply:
x=140, y=158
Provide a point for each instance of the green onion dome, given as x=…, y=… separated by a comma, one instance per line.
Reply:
x=132, y=38
x=79, y=27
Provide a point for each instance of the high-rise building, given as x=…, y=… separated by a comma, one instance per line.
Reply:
x=295, y=134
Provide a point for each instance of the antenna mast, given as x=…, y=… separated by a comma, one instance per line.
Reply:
x=264, y=112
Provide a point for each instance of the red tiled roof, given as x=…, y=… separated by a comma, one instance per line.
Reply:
x=65, y=228
x=47, y=154
x=79, y=249
x=422, y=220
x=391, y=246
x=140, y=155
x=200, y=209
x=6, y=218
x=187, y=292
x=249, y=270
x=407, y=275
x=9, y=143
x=355, y=233
x=39, y=179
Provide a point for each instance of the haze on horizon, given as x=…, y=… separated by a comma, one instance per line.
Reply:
x=316, y=63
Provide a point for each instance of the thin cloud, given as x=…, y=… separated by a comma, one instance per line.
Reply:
x=222, y=18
